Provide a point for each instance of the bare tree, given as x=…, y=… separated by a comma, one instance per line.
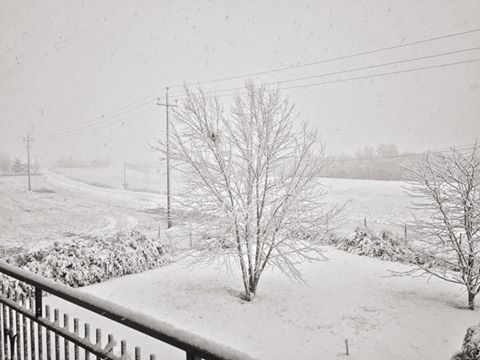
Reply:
x=446, y=187
x=255, y=173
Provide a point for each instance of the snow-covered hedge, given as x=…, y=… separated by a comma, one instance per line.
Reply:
x=471, y=345
x=364, y=241
x=386, y=246
x=85, y=261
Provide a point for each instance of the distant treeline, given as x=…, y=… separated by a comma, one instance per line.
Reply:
x=384, y=162
x=69, y=162
x=17, y=166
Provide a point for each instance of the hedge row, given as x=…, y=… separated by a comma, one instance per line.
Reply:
x=386, y=246
x=89, y=260
x=365, y=242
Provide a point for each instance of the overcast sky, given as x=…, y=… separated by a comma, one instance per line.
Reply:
x=64, y=64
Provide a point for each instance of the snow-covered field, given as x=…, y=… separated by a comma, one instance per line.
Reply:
x=57, y=209
x=383, y=204
x=347, y=297
x=112, y=176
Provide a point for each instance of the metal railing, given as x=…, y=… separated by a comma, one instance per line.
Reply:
x=27, y=327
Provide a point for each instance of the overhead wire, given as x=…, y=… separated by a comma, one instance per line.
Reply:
x=91, y=124
x=112, y=122
x=367, y=67
x=337, y=58
x=96, y=127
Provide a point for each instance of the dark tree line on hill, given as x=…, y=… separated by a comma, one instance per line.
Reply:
x=384, y=162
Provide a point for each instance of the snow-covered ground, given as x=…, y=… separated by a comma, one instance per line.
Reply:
x=147, y=198
x=348, y=297
x=58, y=208
x=383, y=204
x=112, y=177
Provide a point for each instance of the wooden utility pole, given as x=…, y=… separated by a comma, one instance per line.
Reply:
x=167, y=107
x=148, y=175
x=124, y=174
x=28, y=140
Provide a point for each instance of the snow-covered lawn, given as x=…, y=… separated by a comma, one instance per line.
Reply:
x=348, y=297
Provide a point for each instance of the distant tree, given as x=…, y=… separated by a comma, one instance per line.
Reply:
x=387, y=150
x=254, y=172
x=100, y=163
x=446, y=187
x=380, y=163
x=18, y=166
x=387, y=166
x=5, y=163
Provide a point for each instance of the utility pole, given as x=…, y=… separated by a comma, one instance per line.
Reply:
x=28, y=140
x=148, y=175
x=124, y=174
x=167, y=106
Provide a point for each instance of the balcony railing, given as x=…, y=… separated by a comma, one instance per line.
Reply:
x=28, y=332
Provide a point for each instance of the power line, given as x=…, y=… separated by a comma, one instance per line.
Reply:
x=95, y=126
x=148, y=97
x=342, y=57
x=367, y=67
x=386, y=73
x=98, y=120
x=363, y=77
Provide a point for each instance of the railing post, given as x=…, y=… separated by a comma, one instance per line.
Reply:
x=191, y=356
x=38, y=302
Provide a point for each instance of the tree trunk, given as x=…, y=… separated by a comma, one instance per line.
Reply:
x=248, y=295
x=471, y=300
x=253, y=286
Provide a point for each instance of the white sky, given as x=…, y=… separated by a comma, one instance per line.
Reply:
x=63, y=63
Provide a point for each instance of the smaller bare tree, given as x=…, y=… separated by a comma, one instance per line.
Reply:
x=446, y=191
x=253, y=174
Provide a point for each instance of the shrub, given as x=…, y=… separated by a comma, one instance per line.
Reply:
x=85, y=261
x=385, y=246
x=471, y=345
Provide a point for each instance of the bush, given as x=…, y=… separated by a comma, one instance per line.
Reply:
x=471, y=345
x=86, y=261
x=385, y=246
